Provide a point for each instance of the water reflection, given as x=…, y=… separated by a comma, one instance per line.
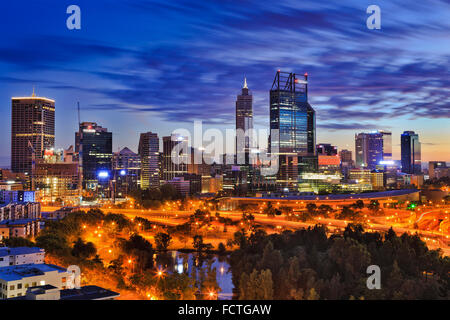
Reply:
x=175, y=261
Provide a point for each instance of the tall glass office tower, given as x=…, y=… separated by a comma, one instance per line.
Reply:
x=94, y=147
x=293, y=116
x=32, y=128
x=410, y=152
x=373, y=147
x=244, y=119
x=149, y=152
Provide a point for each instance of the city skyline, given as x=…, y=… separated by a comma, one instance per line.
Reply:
x=148, y=82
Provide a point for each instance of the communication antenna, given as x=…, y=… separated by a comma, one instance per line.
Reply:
x=78, y=106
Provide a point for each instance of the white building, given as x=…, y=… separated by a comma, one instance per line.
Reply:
x=15, y=280
x=21, y=255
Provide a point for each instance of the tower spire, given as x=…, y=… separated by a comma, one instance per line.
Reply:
x=33, y=94
x=245, y=83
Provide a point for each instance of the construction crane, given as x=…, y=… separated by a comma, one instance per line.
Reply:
x=80, y=156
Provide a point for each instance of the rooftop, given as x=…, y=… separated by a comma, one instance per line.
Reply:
x=19, y=251
x=16, y=222
x=83, y=293
x=88, y=293
x=13, y=273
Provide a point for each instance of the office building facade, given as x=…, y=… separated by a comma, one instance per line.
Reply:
x=410, y=152
x=372, y=148
x=127, y=172
x=294, y=118
x=175, y=157
x=149, y=153
x=32, y=131
x=244, y=122
x=93, y=144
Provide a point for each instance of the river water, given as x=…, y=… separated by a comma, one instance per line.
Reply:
x=175, y=261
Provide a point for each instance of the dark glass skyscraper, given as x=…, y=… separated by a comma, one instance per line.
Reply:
x=126, y=171
x=293, y=116
x=244, y=118
x=94, y=147
x=32, y=127
x=149, y=152
x=174, y=163
x=373, y=147
x=369, y=149
x=411, y=155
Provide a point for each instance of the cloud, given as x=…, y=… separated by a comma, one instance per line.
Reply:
x=192, y=66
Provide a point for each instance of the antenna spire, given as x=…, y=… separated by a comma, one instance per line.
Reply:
x=245, y=83
x=78, y=106
x=33, y=94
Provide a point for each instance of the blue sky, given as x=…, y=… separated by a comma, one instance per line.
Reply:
x=139, y=65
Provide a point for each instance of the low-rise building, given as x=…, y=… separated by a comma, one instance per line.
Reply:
x=9, y=196
x=20, y=228
x=21, y=255
x=23, y=210
x=49, y=292
x=15, y=280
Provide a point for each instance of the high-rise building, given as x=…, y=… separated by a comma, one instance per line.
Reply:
x=32, y=131
x=410, y=152
x=93, y=145
x=387, y=144
x=346, y=156
x=149, y=152
x=438, y=169
x=326, y=149
x=244, y=120
x=56, y=178
x=372, y=148
x=127, y=171
x=293, y=116
x=346, y=161
x=174, y=162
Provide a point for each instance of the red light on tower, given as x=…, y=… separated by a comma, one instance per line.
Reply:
x=306, y=74
x=278, y=70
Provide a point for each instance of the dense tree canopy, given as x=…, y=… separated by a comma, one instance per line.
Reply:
x=307, y=264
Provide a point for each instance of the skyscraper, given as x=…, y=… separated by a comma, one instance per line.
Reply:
x=244, y=120
x=293, y=116
x=149, y=152
x=410, y=152
x=372, y=147
x=94, y=147
x=326, y=149
x=32, y=128
x=387, y=144
x=174, y=163
x=127, y=171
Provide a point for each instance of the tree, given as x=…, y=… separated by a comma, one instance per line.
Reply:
x=325, y=210
x=199, y=245
x=312, y=208
x=53, y=243
x=17, y=242
x=83, y=250
x=257, y=286
x=221, y=248
x=313, y=295
x=162, y=241
x=374, y=206
x=359, y=204
x=197, y=242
